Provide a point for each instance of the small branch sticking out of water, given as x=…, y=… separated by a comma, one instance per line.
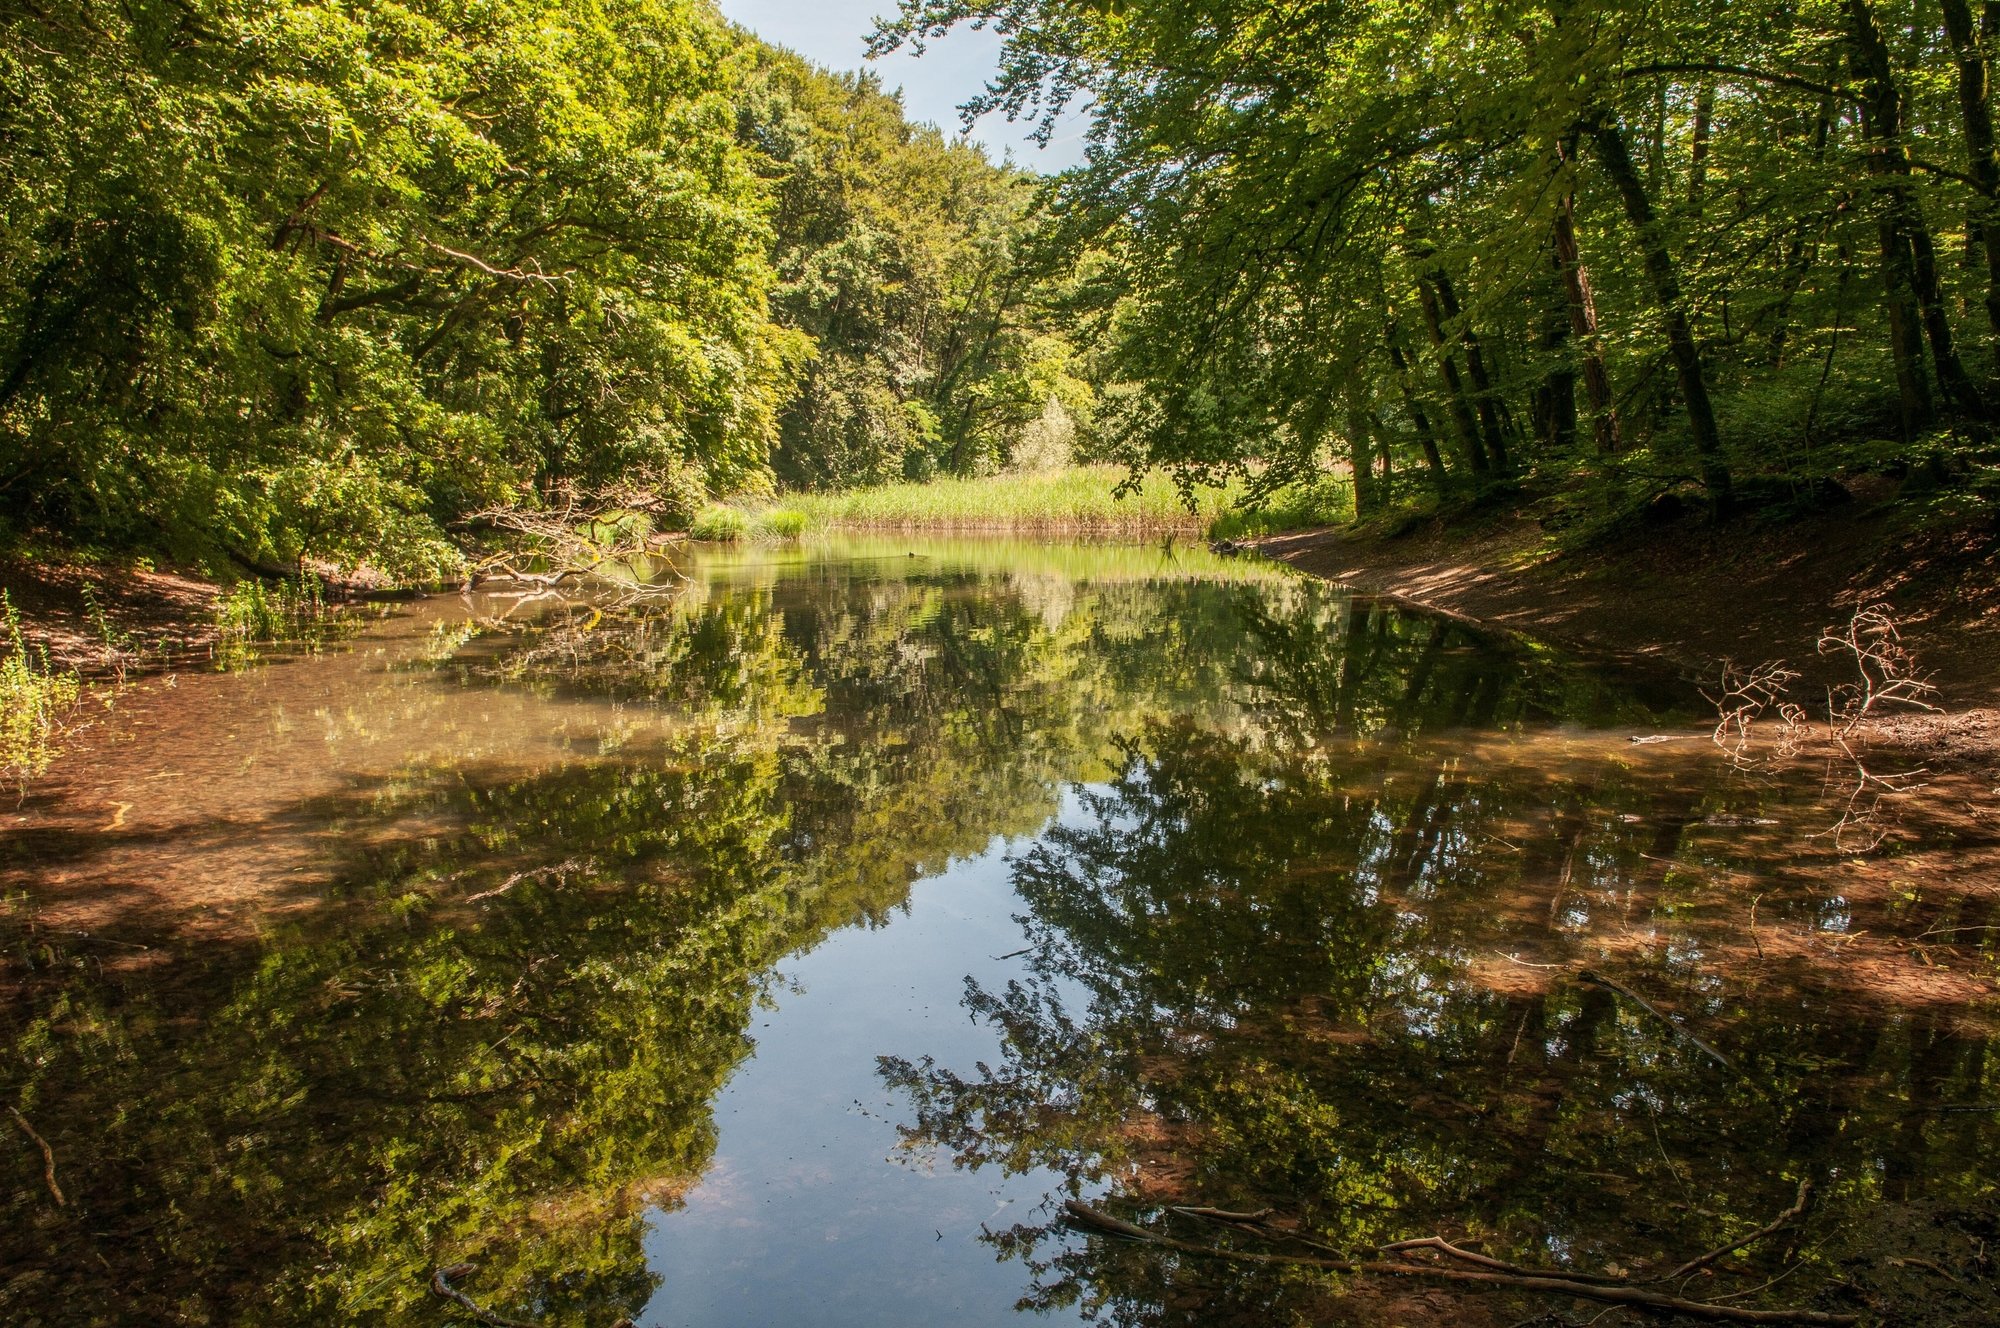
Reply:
x=48, y=1155
x=1598, y=979
x=1772, y=1228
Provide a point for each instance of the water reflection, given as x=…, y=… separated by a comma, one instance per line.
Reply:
x=444, y=948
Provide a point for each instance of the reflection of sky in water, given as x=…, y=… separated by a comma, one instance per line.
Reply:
x=812, y=1213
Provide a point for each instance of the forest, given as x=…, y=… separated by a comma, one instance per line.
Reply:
x=301, y=279
x=1639, y=249
x=289, y=279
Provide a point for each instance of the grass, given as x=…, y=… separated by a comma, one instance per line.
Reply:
x=36, y=704
x=1295, y=507
x=250, y=614
x=729, y=525
x=1082, y=499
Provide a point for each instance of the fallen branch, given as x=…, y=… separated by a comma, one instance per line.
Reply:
x=48, y=1156
x=1445, y=1247
x=1223, y=1215
x=1084, y=1215
x=1777, y=1224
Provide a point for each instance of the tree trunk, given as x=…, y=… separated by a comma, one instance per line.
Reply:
x=1583, y=321
x=1799, y=254
x=1975, y=108
x=1554, y=404
x=1461, y=412
x=1420, y=421
x=1704, y=123
x=1909, y=261
x=1475, y=367
x=1361, y=456
x=1665, y=280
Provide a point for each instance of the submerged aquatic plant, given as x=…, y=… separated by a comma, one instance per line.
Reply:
x=36, y=703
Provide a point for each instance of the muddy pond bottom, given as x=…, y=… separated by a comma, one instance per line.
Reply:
x=787, y=935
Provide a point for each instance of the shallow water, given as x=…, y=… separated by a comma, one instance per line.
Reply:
x=786, y=945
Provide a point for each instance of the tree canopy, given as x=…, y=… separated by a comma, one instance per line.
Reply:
x=1445, y=248
x=288, y=278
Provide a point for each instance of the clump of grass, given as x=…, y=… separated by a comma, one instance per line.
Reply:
x=36, y=703
x=251, y=614
x=720, y=525
x=1294, y=507
x=1083, y=499
x=781, y=523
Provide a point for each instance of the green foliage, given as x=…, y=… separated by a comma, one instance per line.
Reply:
x=1432, y=249
x=1295, y=507
x=251, y=614
x=897, y=252
x=781, y=523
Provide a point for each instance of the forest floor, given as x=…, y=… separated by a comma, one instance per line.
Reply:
x=1687, y=595
x=101, y=618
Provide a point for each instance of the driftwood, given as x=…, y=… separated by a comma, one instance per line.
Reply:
x=1485, y=1273
x=48, y=1156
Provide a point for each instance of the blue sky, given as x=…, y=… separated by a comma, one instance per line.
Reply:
x=834, y=33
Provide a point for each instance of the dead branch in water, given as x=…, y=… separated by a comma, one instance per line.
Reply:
x=572, y=537
x=48, y=1156
x=1886, y=675
x=1561, y=1284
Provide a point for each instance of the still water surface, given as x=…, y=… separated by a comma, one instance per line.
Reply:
x=786, y=948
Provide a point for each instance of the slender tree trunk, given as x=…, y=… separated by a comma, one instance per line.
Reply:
x=1361, y=455
x=1555, y=396
x=1665, y=280
x=1704, y=124
x=1461, y=411
x=1475, y=368
x=1799, y=255
x=1419, y=420
x=1909, y=259
x=1582, y=302
x=1975, y=106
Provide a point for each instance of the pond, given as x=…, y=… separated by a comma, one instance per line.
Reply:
x=789, y=942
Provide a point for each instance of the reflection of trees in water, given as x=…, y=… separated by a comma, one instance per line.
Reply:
x=1261, y=981
x=499, y=1036
x=1265, y=942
